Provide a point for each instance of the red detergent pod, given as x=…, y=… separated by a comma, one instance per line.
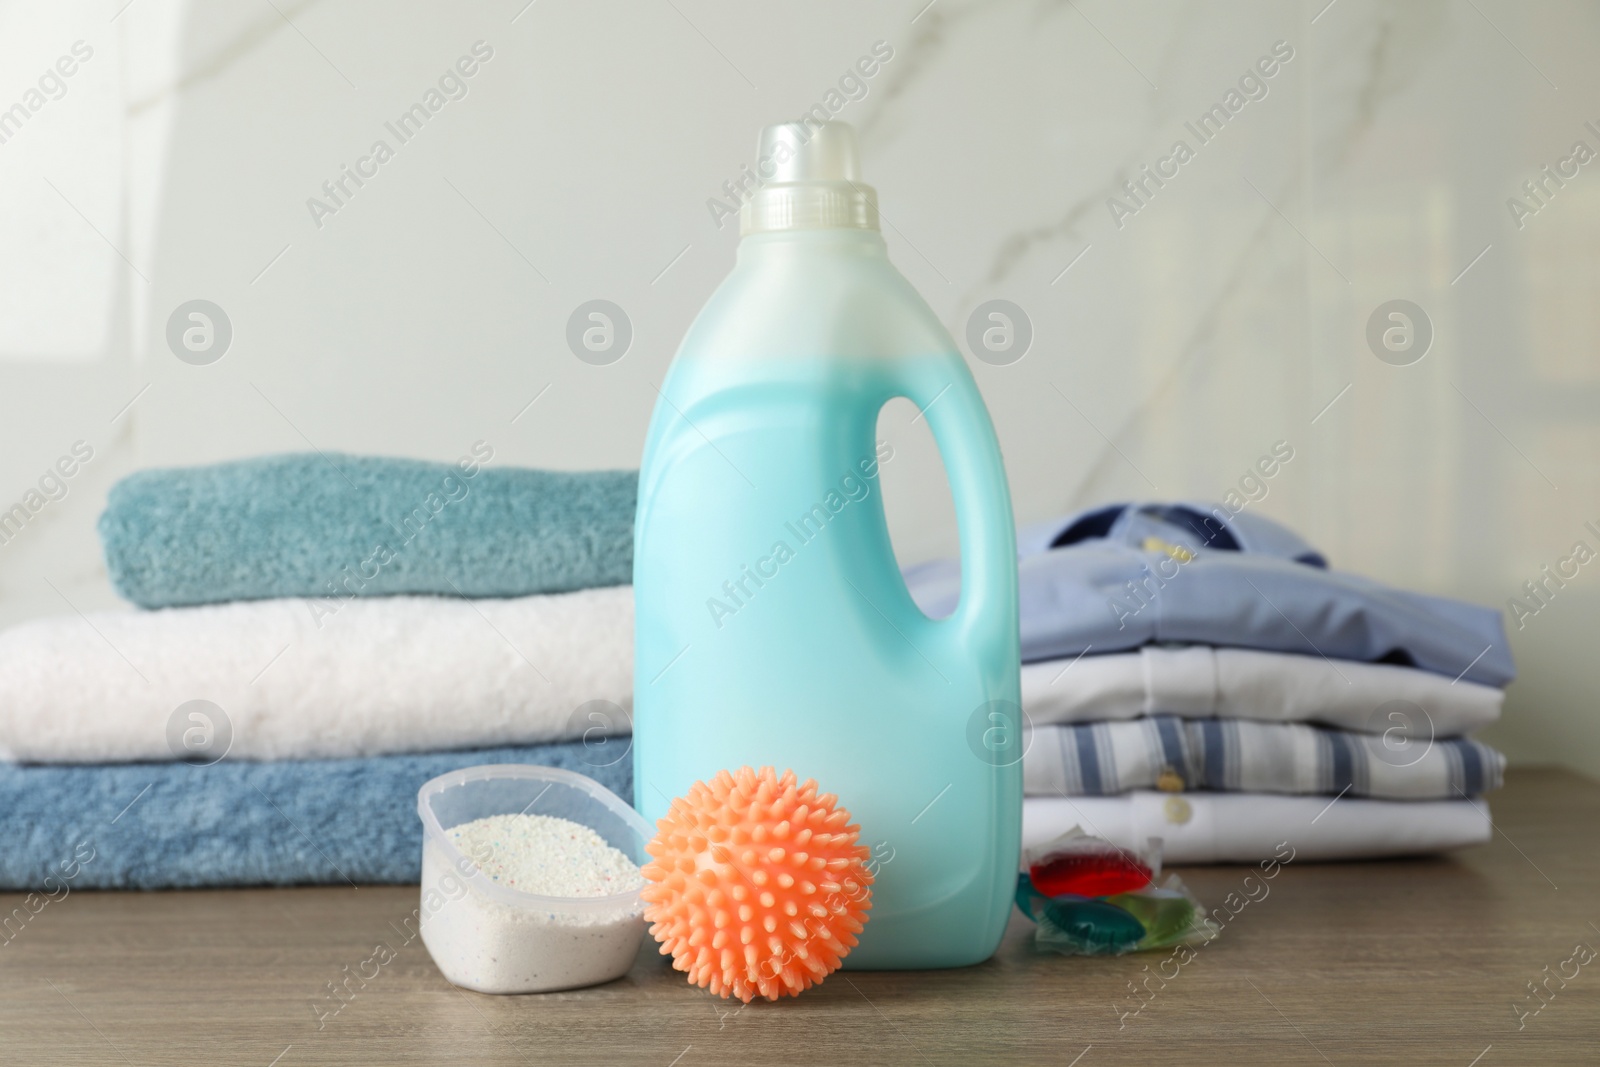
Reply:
x=1087, y=867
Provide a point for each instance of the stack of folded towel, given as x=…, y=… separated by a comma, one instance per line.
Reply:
x=1203, y=677
x=324, y=634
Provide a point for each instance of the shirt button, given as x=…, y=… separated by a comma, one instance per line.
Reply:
x=1178, y=811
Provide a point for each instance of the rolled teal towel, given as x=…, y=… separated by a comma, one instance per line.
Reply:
x=336, y=526
x=173, y=825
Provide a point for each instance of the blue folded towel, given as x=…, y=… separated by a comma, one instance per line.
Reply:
x=337, y=526
x=172, y=825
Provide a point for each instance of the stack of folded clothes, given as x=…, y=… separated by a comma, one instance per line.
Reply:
x=1203, y=677
x=325, y=633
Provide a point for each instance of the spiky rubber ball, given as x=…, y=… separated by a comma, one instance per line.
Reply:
x=757, y=886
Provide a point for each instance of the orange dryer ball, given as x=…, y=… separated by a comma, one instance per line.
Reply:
x=757, y=886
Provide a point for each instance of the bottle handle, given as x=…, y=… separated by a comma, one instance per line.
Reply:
x=962, y=430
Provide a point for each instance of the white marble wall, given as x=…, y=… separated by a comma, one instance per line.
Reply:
x=1173, y=345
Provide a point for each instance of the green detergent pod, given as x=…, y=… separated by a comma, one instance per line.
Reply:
x=1167, y=915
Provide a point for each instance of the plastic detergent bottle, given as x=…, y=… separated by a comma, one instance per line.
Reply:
x=773, y=626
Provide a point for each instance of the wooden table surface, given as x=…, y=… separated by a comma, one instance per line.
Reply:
x=1413, y=962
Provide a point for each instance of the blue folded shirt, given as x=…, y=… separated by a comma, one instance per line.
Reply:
x=1116, y=578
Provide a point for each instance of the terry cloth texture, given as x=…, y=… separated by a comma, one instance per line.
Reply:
x=382, y=675
x=173, y=825
x=1198, y=682
x=1119, y=578
x=1252, y=827
x=1235, y=755
x=339, y=526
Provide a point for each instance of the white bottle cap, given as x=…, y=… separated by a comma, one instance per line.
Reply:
x=811, y=176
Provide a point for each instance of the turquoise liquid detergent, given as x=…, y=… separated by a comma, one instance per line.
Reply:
x=773, y=626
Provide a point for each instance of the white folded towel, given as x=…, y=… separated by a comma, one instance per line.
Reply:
x=382, y=675
x=1198, y=682
x=1250, y=827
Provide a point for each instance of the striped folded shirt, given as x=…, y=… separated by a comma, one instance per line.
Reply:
x=1239, y=755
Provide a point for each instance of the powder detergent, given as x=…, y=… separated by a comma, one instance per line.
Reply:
x=486, y=944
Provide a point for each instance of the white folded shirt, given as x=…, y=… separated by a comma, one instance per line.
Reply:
x=382, y=675
x=1250, y=827
x=1198, y=681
